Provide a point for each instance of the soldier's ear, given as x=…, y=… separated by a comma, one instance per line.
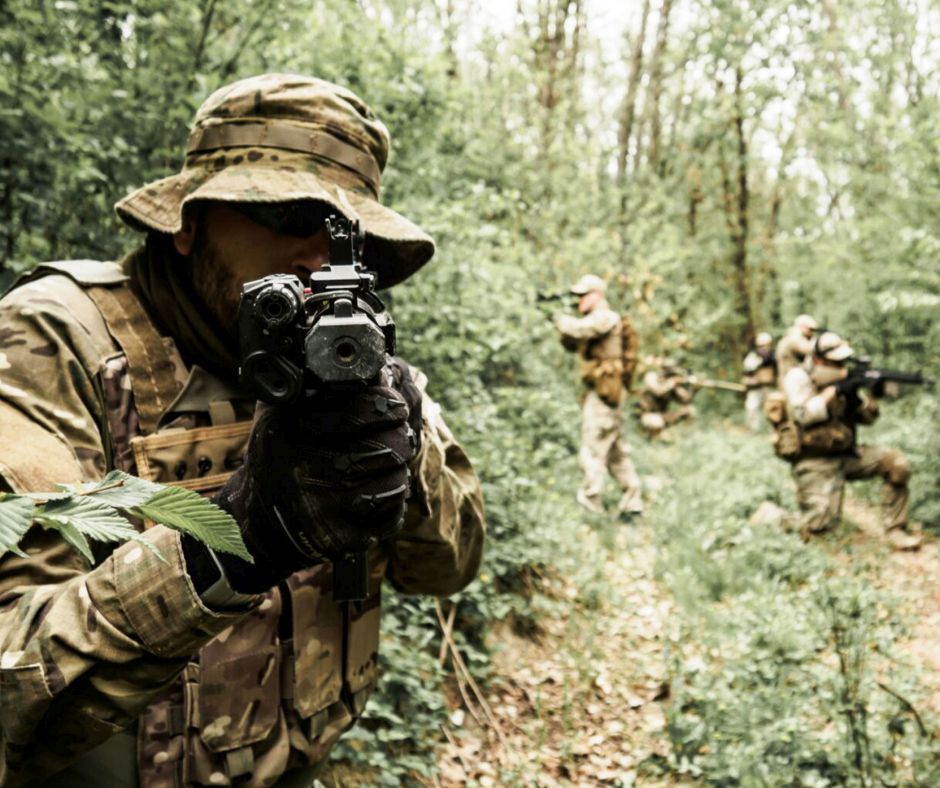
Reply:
x=184, y=238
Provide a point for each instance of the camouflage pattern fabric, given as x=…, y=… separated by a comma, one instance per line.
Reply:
x=88, y=651
x=792, y=349
x=597, y=338
x=820, y=484
x=657, y=395
x=603, y=449
x=285, y=137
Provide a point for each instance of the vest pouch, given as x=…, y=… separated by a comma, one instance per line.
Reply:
x=201, y=459
x=607, y=381
x=362, y=645
x=318, y=640
x=833, y=437
x=765, y=376
x=239, y=687
x=775, y=407
x=787, y=444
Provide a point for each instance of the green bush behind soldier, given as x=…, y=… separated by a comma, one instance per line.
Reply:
x=605, y=343
x=817, y=433
x=207, y=670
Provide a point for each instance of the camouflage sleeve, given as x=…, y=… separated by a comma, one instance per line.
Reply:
x=441, y=544
x=803, y=402
x=595, y=324
x=82, y=650
x=83, y=653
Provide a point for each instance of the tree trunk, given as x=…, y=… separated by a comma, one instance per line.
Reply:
x=737, y=204
x=625, y=131
x=654, y=94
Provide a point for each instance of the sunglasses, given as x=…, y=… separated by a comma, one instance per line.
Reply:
x=297, y=219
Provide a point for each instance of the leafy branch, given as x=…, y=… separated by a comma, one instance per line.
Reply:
x=99, y=511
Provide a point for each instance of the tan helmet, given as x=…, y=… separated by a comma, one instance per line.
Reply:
x=763, y=339
x=832, y=347
x=589, y=283
x=283, y=138
x=806, y=321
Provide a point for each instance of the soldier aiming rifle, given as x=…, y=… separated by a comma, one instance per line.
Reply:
x=816, y=421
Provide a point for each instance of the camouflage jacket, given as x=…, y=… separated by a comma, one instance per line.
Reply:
x=85, y=652
x=598, y=339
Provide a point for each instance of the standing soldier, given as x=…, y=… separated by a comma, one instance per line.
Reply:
x=795, y=346
x=662, y=388
x=818, y=436
x=606, y=344
x=760, y=377
x=201, y=668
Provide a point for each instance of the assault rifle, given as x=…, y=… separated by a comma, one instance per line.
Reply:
x=334, y=332
x=721, y=385
x=691, y=379
x=863, y=375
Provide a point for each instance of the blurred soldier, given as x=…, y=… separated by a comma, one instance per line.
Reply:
x=795, y=346
x=604, y=341
x=203, y=669
x=818, y=436
x=661, y=388
x=760, y=377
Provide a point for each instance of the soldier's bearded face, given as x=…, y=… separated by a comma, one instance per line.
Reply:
x=228, y=249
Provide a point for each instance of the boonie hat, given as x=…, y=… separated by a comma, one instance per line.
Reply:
x=832, y=347
x=589, y=283
x=284, y=138
x=806, y=321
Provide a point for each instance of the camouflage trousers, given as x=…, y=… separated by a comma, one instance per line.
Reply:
x=754, y=407
x=820, y=485
x=603, y=449
x=654, y=422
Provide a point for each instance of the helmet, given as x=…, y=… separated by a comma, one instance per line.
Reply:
x=832, y=347
x=763, y=339
x=805, y=321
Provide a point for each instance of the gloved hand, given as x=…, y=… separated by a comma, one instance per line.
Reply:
x=323, y=478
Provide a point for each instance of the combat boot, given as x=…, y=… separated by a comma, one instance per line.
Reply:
x=901, y=539
x=590, y=502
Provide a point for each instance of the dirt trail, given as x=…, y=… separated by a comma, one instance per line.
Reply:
x=583, y=704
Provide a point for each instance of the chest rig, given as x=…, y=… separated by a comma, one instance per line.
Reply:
x=277, y=689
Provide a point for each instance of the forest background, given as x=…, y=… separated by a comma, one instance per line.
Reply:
x=725, y=164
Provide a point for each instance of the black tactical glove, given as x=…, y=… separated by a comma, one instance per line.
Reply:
x=323, y=478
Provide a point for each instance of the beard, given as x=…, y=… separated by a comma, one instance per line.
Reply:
x=215, y=281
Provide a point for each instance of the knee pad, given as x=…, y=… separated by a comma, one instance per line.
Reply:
x=897, y=468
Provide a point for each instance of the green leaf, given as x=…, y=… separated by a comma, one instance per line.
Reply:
x=188, y=511
x=16, y=516
x=69, y=532
x=122, y=490
x=94, y=519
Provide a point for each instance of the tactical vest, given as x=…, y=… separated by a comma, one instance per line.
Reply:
x=277, y=689
x=794, y=441
x=608, y=362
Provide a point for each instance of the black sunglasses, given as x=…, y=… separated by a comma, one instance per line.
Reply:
x=298, y=219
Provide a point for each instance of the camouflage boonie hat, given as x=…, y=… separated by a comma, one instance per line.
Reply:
x=281, y=138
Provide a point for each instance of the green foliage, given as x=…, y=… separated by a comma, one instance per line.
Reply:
x=782, y=666
x=99, y=511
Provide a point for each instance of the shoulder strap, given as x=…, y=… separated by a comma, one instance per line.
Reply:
x=148, y=364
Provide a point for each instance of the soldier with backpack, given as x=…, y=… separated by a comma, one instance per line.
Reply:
x=606, y=343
